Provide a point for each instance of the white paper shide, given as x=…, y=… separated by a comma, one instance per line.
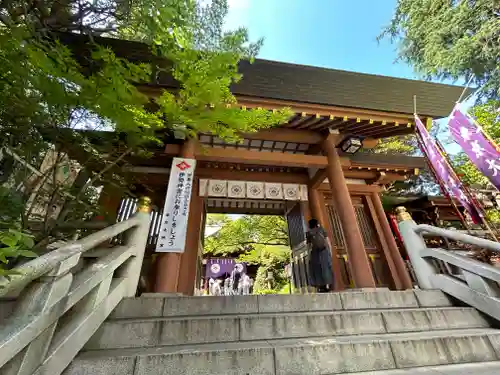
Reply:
x=172, y=236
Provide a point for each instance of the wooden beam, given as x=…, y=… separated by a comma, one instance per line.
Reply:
x=380, y=179
x=285, y=135
x=315, y=149
x=318, y=179
x=385, y=178
x=230, y=174
x=354, y=188
x=245, y=211
x=360, y=174
x=312, y=109
x=323, y=110
x=257, y=157
x=370, y=143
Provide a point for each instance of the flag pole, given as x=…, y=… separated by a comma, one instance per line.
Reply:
x=441, y=186
x=433, y=171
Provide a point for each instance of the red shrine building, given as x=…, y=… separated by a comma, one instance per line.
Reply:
x=319, y=164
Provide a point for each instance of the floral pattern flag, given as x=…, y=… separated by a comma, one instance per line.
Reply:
x=480, y=150
x=447, y=176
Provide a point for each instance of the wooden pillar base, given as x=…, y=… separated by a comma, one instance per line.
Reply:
x=167, y=272
x=187, y=275
x=399, y=263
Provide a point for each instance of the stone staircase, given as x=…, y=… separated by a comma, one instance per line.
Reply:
x=407, y=332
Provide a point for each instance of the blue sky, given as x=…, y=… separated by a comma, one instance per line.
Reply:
x=337, y=34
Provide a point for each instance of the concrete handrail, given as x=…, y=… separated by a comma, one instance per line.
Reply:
x=470, y=281
x=87, y=284
x=425, y=229
x=45, y=263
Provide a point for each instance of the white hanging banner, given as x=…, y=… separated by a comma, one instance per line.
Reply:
x=172, y=236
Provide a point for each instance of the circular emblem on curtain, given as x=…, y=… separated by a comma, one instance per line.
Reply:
x=215, y=268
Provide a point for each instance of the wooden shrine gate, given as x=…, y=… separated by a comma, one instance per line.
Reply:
x=380, y=270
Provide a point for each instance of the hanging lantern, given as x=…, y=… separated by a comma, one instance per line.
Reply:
x=351, y=145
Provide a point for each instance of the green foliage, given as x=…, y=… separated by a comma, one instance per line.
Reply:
x=445, y=39
x=217, y=220
x=245, y=233
x=424, y=182
x=493, y=216
x=14, y=244
x=487, y=115
x=264, y=286
x=268, y=256
x=270, y=259
x=49, y=89
x=257, y=240
x=405, y=145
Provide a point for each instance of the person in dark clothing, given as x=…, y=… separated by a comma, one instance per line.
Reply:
x=235, y=279
x=320, y=260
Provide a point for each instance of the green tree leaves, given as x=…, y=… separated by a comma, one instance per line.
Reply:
x=13, y=244
x=245, y=233
x=50, y=90
x=445, y=39
x=257, y=240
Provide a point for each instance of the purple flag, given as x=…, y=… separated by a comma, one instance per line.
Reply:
x=445, y=173
x=480, y=150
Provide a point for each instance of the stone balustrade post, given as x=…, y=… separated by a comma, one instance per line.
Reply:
x=415, y=244
x=137, y=238
x=38, y=299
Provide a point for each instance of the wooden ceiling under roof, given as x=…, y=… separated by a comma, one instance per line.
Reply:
x=255, y=145
x=245, y=206
x=348, y=121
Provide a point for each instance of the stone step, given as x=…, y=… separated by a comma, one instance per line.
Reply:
x=145, y=332
x=151, y=306
x=482, y=368
x=311, y=356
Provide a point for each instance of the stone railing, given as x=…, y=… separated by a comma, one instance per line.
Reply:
x=466, y=279
x=65, y=295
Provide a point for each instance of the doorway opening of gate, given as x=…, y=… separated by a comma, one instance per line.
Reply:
x=250, y=237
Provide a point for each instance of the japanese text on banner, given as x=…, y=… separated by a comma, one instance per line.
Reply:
x=172, y=236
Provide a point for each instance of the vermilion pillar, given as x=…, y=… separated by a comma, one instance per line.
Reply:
x=358, y=259
x=305, y=210
x=189, y=258
x=401, y=269
x=315, y=206
x=168, y=264
x=318, y=211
